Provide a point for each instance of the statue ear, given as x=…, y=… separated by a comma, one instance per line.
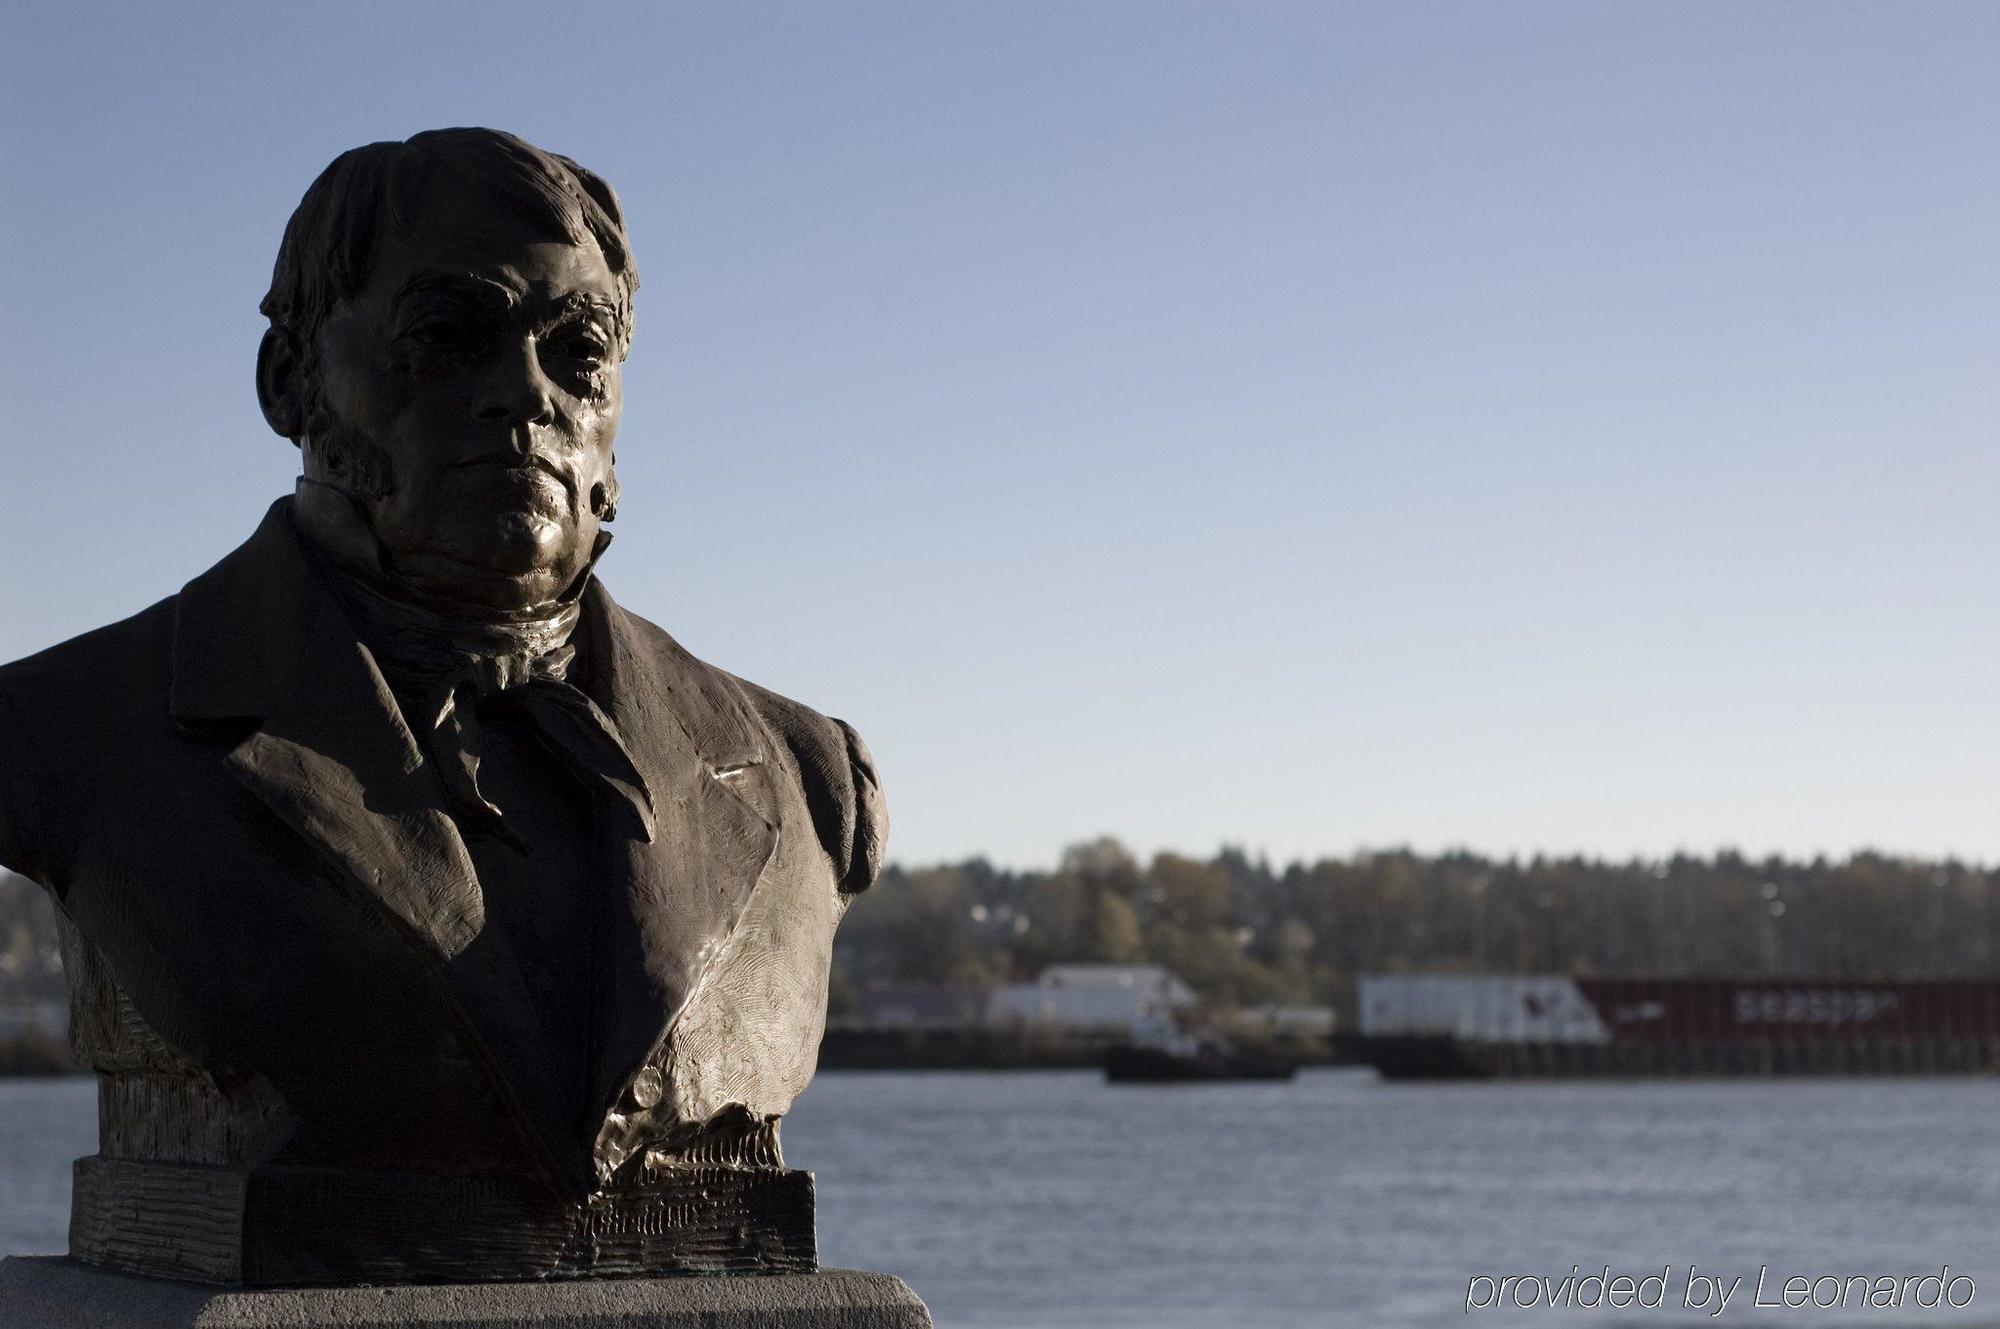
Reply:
x=281, y=384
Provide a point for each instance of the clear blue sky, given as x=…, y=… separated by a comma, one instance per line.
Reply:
x=1528, y=426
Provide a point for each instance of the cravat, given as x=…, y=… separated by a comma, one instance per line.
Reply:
x=442, y=670
x=569, y=724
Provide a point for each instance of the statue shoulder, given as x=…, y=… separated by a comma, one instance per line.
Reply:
x=81, y=684
x=64, y=709
x=838, y=775
x=835, y=772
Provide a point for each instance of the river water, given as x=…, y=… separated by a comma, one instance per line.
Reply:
x=1055, y=1201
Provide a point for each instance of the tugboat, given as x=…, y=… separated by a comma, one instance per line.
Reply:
x=1162, y=1053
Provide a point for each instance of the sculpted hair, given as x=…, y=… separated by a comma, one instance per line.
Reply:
x=329, y=243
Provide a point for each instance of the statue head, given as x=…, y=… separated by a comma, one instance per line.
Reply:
x=448, y=319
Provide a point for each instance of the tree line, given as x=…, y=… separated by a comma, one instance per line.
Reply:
x=1243, y=931
x=30, y=960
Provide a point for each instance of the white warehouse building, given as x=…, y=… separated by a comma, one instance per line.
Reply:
x=1091, y=998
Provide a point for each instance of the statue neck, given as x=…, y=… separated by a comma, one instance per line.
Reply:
x=413, y=628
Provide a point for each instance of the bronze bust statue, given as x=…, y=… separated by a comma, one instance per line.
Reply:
x=428, y=915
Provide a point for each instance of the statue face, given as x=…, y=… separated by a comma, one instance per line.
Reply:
x=480, y=363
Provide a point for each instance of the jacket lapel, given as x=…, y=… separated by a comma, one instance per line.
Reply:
x=260, y=638
x=679, y=898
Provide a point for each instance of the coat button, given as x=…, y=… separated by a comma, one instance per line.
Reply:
x=647, y=1087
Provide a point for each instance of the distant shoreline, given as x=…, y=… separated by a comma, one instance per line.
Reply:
x=36, y=1052
x=976, y=1049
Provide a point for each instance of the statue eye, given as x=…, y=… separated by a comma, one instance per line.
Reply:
x=584, y=348
x=435, y=333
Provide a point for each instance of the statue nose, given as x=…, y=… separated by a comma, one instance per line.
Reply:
x=516, y=389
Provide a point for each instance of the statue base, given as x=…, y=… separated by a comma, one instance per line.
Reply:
x=285, y=1226
x=54, y=1292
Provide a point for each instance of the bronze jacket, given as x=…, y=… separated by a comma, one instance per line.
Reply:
x=275, y=925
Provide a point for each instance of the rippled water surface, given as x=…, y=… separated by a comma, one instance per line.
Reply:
x=1052, y=1200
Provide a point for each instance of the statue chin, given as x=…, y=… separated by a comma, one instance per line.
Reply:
x=511, y=541
x=477, y=562
x=504, y=543
x=517, y=576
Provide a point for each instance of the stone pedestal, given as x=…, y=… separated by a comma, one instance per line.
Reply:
x=52, y=1292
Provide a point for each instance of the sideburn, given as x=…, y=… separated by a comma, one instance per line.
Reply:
x=336, y=455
